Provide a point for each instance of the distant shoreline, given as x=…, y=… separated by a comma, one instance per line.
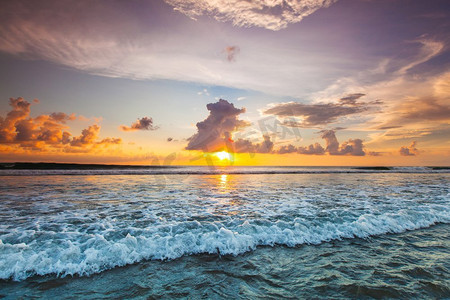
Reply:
x=78, y=166
x=70, y=166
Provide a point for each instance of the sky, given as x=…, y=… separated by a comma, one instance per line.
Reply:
x=211, y=82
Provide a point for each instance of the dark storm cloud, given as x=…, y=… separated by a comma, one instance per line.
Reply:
x=214, y=132
x=144, y=123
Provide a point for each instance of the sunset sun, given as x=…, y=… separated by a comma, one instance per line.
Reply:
x=223, y=155
x=225, y=149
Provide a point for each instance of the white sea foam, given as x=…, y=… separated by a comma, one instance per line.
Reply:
x=86, y=254
x=81, y=225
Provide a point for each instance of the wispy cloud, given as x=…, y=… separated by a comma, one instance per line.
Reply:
x=415, y=100
x=313, y=115
x=409, y=75
x=428, y=50
x=203, y=92
x=115, y=41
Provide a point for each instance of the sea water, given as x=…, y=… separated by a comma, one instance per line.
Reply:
x=196, y=232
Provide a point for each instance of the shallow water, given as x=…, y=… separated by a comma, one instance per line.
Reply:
x=212, y=235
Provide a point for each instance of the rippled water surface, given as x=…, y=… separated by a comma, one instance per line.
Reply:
x=211, y=235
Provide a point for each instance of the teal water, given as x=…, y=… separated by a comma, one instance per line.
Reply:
x=409, y=265
x=310, y=235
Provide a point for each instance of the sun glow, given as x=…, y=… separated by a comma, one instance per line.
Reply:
x=223, y=155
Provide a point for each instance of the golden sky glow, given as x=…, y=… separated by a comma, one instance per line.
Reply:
x=181, y=82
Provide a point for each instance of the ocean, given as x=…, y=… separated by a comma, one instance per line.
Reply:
x=232, y=232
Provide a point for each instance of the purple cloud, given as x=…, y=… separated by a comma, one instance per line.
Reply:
x=144, y=123
x=409, y=151
x=314, y=115
x=213, y=132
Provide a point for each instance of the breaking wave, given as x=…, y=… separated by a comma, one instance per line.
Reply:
x=81, y=253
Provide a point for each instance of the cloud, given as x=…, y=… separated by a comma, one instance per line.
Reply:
x=125, y=40
x=313, y=149
x=409, y=151
x=46, y=132
x=287, y=149
x=412, y=90
x=374, y=153
x=350, y=147
x=269, y=14
x=313, y=115
x=428, y=50
x=203, y=92
x=351, y=99
x=247, y=146
x=353, y=147
x=62, y=117
x=231, y=52
x=20, y=110
x=150, y=41
x=213, y=132
x=88, y=136
x=144, y=123
x=419, y=110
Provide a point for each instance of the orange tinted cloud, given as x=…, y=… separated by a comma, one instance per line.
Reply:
x=46, y=132
x=409, y=151
x=144, y=123
x=413, y=111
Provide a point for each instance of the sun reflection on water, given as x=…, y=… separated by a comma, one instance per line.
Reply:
x=223, y=179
